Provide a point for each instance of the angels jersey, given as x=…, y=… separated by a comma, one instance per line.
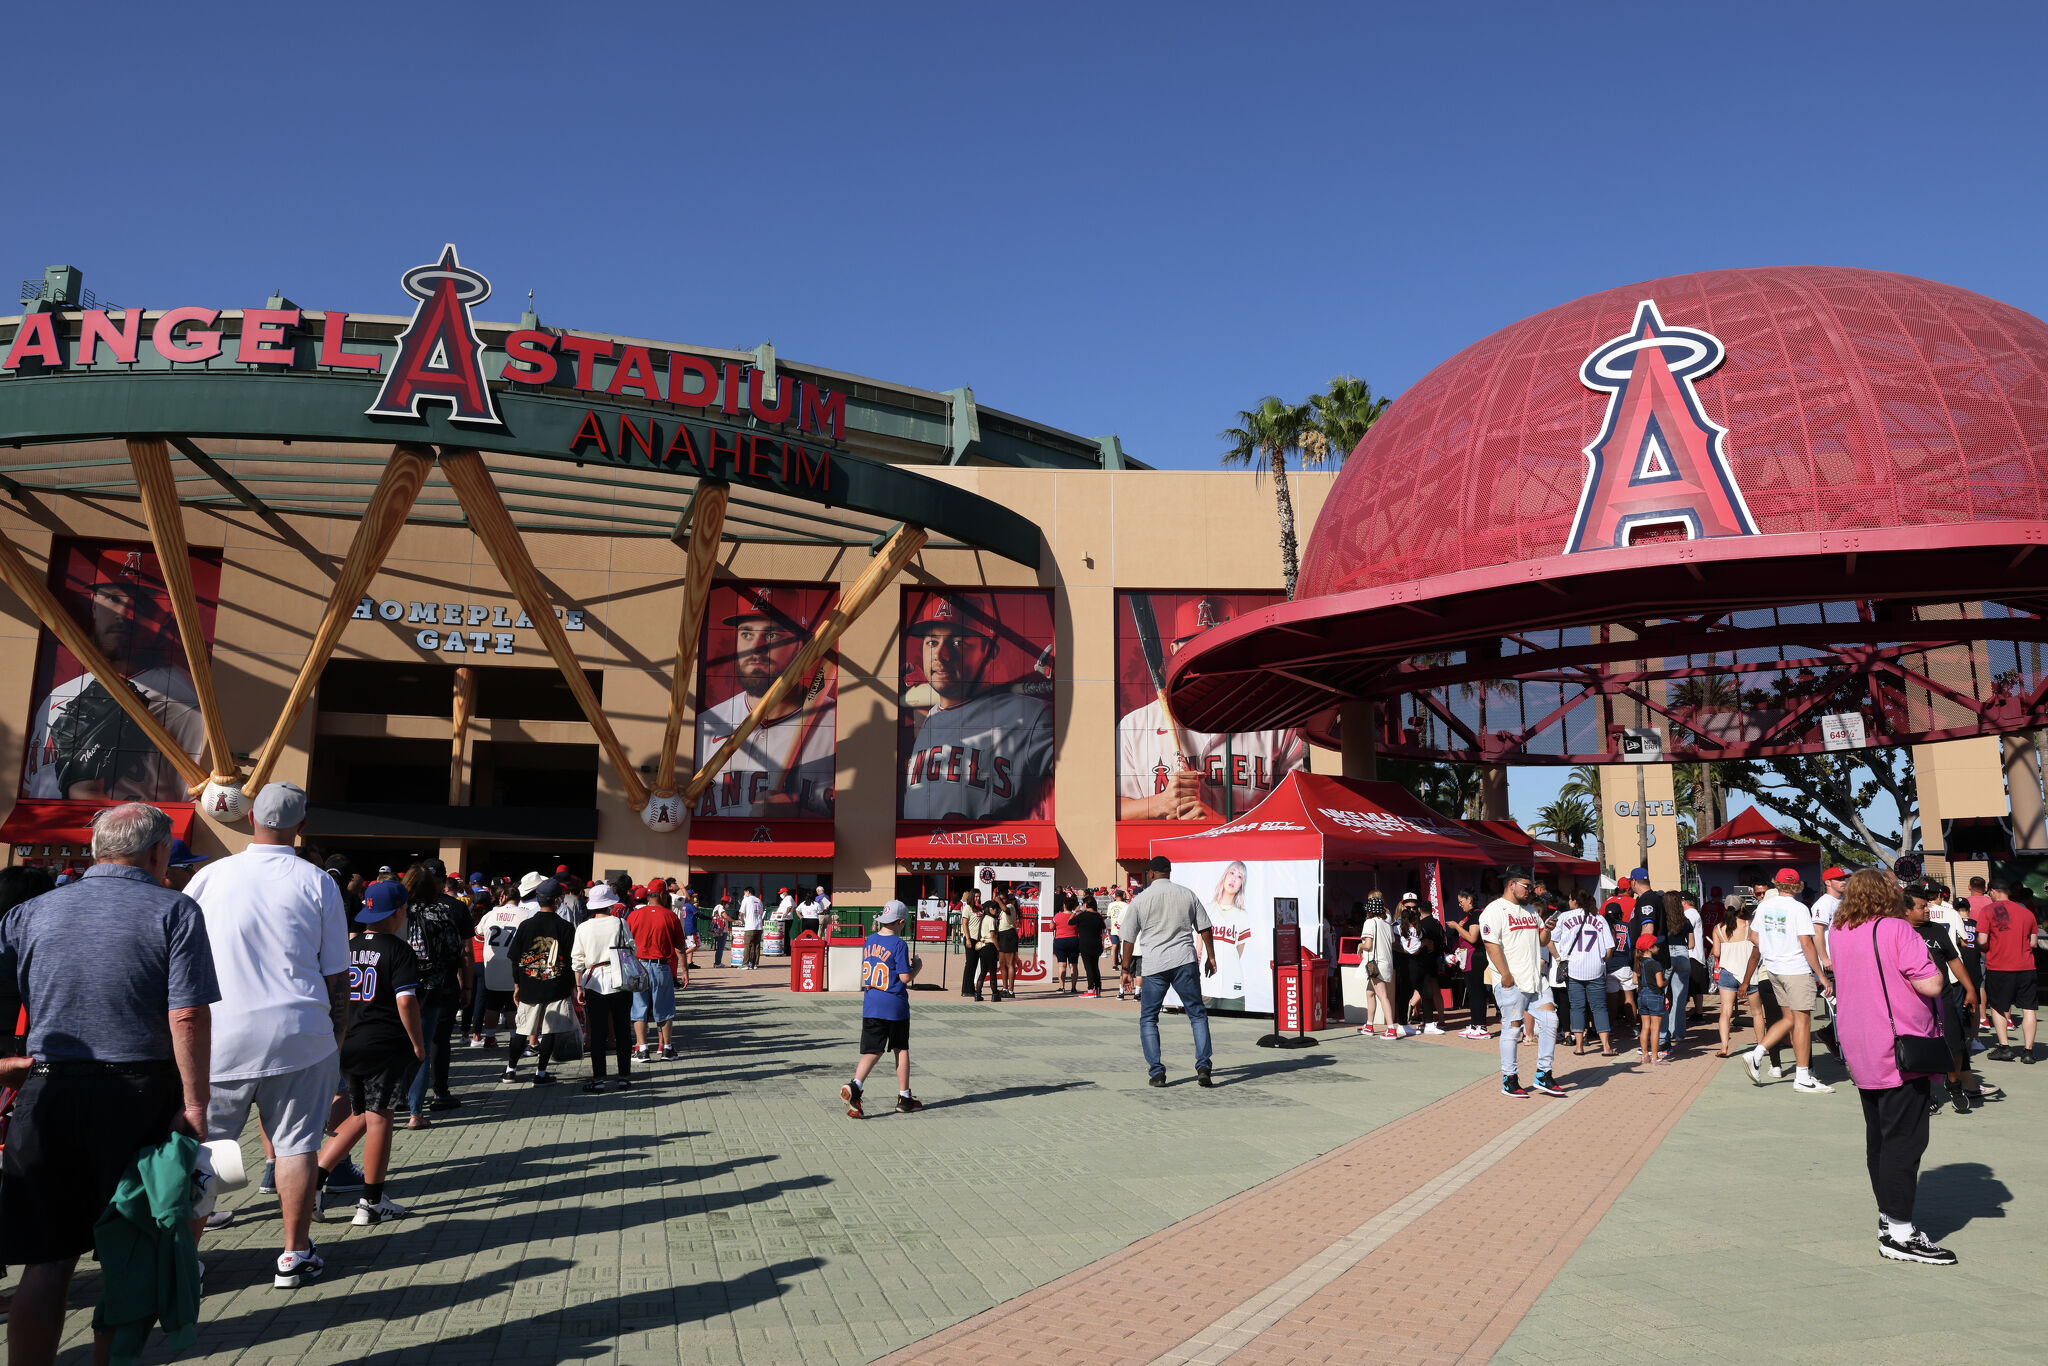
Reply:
x=986, y=759
x=496, y=930
x=172, y=700
x=756, y=771
x=1147, y=755
x=1231, y=929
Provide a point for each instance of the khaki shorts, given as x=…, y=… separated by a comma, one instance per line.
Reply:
x=556, y=1017
x=1796, y=991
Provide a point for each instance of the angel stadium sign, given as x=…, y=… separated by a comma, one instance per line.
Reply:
x=70, y=373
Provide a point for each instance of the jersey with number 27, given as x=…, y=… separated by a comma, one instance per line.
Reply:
x=496, y=930
x=884, y=965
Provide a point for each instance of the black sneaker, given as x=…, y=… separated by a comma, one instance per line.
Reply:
x=2028, y=1057
x=1203, y=1079
x=850, y=1093
x=445, y=1103
x=624, y=1084
x=1917, y=1248
x=543, y=1078
x=1512, y=1086
x=1548, y=1085
x=1960, y=1099
x=509, y=1074
x=908, y=1105
x=1157, y=1081
x=593, y=1088
x=2000, y=1053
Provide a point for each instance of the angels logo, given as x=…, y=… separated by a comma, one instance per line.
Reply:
x=762, y=835
x=1205, y=613
x=1658, y=469
x=440, y=357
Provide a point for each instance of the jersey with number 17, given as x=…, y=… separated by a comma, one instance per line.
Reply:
x=884, y=970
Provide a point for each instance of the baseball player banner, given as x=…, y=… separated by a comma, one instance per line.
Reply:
x=1165, y=771
x=1239, y=895
x=81, y=745
x=975, y=739
x=786, y=768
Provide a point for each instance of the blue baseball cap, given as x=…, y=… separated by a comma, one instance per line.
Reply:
x=183, y=857
x=381, y=901
x=1639, y=875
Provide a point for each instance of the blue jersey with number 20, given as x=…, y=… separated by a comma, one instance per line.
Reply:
x=884, y=960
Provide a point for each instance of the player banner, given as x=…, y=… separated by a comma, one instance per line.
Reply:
x=975, y=738
x=1163, y=770
x=81, y=745
x=786, y=768
x=1239, y=895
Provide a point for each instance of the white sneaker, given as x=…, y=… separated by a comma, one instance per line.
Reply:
x=220, y=1218
x=1432, y=1028
x=387, y=1208
x=1813, y=1085
x=295, y=1269
x=1473, y=1032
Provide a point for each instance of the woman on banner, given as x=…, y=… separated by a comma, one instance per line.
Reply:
x=1232, y=925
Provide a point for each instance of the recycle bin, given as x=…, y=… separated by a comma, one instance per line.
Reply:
x=1306, y=987
x=807, y=963
x=842, y=957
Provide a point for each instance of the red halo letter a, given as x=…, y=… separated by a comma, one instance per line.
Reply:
x=440, y=357
x=1657, y=469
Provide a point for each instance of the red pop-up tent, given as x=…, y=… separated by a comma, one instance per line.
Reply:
x=1540, y=857
x=1340, y=822
x=1751, y=838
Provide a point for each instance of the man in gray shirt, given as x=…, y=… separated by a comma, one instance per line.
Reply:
x=1161, y=926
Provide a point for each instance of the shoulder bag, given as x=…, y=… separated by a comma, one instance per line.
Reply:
x=1911, y=1052
x=632, y=973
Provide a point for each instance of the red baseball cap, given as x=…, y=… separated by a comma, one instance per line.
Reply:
x=1190, y=619
x=561, y=868
x=970, y=612
x=638, y=890
x=1788, y=875
x=1833, y=875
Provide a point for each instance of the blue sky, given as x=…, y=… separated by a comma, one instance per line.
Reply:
x=1134, y=218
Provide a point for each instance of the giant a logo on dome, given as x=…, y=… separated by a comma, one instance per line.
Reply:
x=1657, y=470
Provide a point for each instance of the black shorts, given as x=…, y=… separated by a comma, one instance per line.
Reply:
x=497, y=1000
x=1067, y=950
x=72, y=1139
x=1953, y=1012
x=1006, y=941
x=2007, y=991
x=381, y=1085
x=878, y=1035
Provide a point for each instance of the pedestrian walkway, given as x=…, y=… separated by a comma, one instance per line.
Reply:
x=1360, y=1201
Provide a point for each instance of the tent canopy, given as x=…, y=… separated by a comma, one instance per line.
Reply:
x=1750, y=837
x=1341, y=820
x=1540, y=857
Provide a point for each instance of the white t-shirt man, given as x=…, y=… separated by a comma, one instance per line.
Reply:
x=1692, y=934
x=1519, y=932
x=750, y=912
x=1583, y=939
x=278, y=931
x=496, y=929
x=786, y=907
x=1823, y=913
x=1780, y=923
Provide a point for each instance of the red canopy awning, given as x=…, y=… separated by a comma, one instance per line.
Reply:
x=1751, y=836
x=1035, y=840
x=1541, y=857
x=37, y=820
x=761, y=839
x=1341, y=820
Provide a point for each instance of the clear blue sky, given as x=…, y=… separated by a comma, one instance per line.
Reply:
x=1132, y=218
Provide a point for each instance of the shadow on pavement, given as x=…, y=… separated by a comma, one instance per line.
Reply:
x=1951, y=1196
x=1009, y=1093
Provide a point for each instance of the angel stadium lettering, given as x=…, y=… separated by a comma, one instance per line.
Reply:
x=978, y=839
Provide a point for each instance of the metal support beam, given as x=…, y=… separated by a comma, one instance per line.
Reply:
x=488, y=517
x=150, y=457
x=1112, y=452
x=219, y=474
x=405, y=473
x=963, y=429
x=880, y=573
x=707, y=521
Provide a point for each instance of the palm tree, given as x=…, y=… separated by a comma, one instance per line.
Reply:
x=1263, y=439
x=1584, y=785
x=1568, y=820
x=1344, y=413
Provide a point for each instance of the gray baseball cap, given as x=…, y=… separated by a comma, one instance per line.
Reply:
x=279, y=806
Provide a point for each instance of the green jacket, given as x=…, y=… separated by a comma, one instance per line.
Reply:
x=147, y=1254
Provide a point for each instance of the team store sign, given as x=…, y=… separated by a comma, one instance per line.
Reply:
x=457, y=628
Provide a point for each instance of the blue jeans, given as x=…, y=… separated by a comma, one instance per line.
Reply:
x=1186, y=980
x=1675, y=995
x=1588, y=997
x=1514, y=1004
x=437, y=1022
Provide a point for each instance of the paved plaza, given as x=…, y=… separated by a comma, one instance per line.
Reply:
x=1363, y=1200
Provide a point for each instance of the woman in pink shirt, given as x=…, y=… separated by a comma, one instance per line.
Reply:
x=1886, y=985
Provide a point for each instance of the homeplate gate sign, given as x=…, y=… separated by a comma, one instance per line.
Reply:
x=280, y=374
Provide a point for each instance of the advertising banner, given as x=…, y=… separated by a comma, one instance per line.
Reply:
x=81, y=745
x=975, y=737
x=1163, y=770
x=1239, y=895
x=786, y=767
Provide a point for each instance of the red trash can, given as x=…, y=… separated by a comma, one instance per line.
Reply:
x=807, y=962
x=1304, y=988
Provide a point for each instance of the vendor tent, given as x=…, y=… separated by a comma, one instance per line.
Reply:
x=1751, y=838
x=1316, y=838
x=1541, y=857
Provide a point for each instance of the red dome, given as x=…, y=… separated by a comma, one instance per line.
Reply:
x=1852, y=399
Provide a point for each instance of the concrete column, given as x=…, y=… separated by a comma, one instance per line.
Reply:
x=2023, y=791
x=1361, y=738
x=1493, y=792
x=1625, y=830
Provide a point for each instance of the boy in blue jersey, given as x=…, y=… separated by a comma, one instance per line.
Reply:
x=887, y=968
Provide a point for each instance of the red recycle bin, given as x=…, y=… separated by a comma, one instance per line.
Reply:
x=807, y=962
x=1307, y=985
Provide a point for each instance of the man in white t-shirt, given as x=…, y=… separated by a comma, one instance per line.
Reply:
x=751, y=926
x=1783, y=933
x=495, y=929
x=1513, y=934
x=1833, y=881
x=280, y=950
x=1582, y=939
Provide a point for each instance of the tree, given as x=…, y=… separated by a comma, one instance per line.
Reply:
x=1262, y=440
x=1343, y=414
x=1568, y=820
x=1452, y=789
x=1827, y=799
x=1584, y=784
